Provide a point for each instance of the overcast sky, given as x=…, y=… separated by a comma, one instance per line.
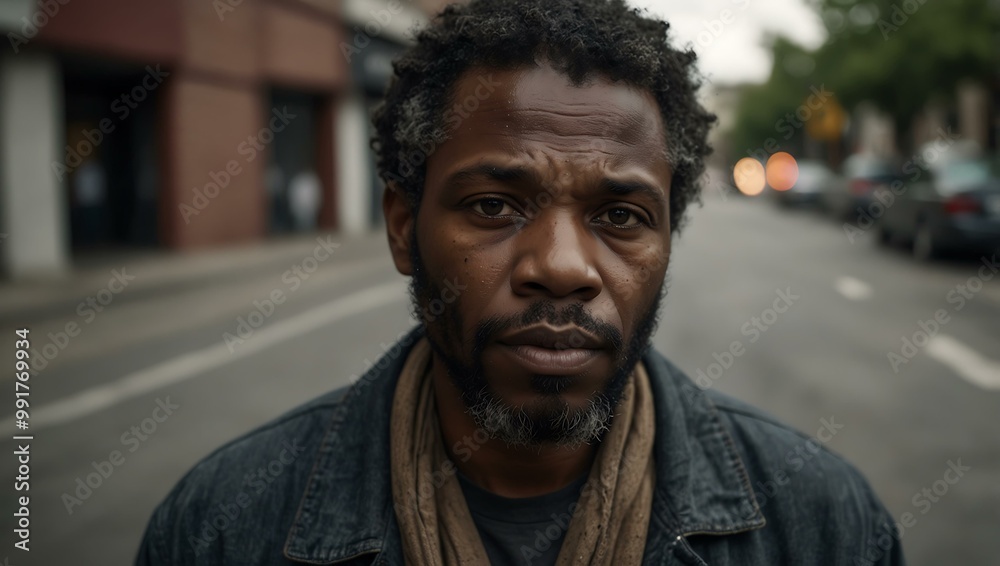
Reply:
x=734, y=52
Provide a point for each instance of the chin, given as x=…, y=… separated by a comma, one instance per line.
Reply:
x=534, y=419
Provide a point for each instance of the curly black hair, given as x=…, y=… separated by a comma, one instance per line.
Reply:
x=580, y=38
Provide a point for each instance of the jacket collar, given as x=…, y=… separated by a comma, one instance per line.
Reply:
x=346, y=511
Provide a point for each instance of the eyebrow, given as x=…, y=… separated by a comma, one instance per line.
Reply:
x=630, y=187
x=517, y=174
x=493, y=172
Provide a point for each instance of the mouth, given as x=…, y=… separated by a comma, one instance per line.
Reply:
x=546, y=350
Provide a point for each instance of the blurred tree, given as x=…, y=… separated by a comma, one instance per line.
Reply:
x=766, y=117
x=898, y=54
x=901, y=54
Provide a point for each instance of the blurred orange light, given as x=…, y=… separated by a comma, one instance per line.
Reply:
x=748, y=174
x=782, y=171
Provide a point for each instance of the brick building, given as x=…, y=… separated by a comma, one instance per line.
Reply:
x=187, y=123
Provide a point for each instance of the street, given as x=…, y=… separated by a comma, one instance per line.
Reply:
x=891, y=363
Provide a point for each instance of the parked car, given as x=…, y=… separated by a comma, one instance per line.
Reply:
x=860, y=176
x=813, y=179
x=950, y=206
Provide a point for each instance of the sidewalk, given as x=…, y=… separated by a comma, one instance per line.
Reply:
x=157, y=271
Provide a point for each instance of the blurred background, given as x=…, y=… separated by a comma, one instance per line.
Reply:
x=189, y=219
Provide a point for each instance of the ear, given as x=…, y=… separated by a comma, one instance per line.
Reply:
x=399, y=221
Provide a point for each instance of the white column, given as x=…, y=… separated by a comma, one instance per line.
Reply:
x=33, y=218
x=354, y=179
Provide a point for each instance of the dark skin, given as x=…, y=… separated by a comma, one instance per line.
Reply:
x=547, y=191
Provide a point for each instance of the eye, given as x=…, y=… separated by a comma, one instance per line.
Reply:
x=492, y=206
x=620, y=216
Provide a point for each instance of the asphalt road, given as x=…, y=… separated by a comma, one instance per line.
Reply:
x=825, y=358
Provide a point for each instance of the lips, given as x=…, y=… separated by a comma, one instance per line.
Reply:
x=547, y=350
x=551, y=338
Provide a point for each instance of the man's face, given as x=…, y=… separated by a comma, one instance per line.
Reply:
x=540, y=248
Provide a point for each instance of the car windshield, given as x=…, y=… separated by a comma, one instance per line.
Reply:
x=963, y=176
x=812, y=171
x=867, y=166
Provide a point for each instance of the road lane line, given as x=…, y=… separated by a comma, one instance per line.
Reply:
x=968, y=363
x=854, y=289
x=195, y=363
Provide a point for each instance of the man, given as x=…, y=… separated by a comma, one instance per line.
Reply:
x=539, y=158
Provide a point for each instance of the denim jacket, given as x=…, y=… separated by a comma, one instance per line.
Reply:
x=733, y=486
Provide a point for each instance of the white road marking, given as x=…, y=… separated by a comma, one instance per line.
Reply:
x=854, y=289
x=974, y=367
x=197, y=362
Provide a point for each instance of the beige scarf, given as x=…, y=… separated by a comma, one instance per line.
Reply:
x=612, y=515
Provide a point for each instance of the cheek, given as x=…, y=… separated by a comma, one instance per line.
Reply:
x=471, y=272
x=636, y=282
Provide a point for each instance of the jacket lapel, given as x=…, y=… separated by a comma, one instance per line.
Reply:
x=346, y=511
x=702, y=486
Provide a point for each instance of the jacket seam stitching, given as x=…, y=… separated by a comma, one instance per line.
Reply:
x=336, y=420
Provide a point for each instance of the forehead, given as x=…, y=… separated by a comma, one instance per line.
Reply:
x=538, y=110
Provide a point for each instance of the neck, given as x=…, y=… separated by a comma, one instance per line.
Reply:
x=492, y=464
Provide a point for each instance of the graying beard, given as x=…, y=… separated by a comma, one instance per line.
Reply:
x=514, y=426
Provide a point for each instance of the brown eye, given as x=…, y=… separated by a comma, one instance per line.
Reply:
x=490, y=206
x=620, y=217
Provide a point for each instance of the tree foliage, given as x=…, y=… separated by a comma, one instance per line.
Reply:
x=897, y=54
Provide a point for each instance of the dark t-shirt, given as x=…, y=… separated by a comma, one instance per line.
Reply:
x=526, y=531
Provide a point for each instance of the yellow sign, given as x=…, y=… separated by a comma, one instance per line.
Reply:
x=827, y=122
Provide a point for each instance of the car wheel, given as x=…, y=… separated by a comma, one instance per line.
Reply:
x=924, y=246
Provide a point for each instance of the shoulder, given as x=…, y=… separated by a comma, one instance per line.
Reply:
x=778, y=458
x=221, y=496
x=802, y=486
x=754, y=425
x=818, y=508
x=768, y=445
x=287, y=438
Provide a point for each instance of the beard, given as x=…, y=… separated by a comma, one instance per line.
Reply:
x=549, y=420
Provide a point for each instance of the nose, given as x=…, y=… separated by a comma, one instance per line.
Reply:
x=555, y=259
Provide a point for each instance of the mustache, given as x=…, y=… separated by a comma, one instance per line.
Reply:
x=546, y=311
